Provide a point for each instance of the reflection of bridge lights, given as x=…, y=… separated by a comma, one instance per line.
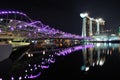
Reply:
x=26, y=71
x=87, y=68
x=29, y=65
x=46, y=61
x=35, y=76
x=12, y=78
x=20, y=78
x=43, y=66
x=1, y=19
x=31, y=69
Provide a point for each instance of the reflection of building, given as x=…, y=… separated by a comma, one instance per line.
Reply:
x=96, y=56
x=92, y=57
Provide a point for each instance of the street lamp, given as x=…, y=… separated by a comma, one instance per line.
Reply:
x=84, y=16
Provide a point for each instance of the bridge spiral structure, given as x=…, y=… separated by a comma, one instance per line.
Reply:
x=15, y=24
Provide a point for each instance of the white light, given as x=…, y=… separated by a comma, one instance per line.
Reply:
x=83, y=15
x=33, y=41
x=93, y=64
x=97, y=62
x=35, y=68
x=31, y=69
x=1, y=19
x=29, y=55
x=29, y=65
x=25, y=70
x=87, y=68
x=38, y=65
x=26, y=53
x=101, y=63
x=43, y=52
x=99, y=20
x=11, y=20
x=91, y=18
x=12, y=78
x=20, y=78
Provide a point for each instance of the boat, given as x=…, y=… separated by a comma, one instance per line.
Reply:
x=5, y=51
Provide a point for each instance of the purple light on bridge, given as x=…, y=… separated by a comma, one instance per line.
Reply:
x=39, y=30
x=0, y=30
x=12, y=29
x=9, y=12
x=20, y=26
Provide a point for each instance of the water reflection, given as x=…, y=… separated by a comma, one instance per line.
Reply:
x=96, y=56
x=32, y=63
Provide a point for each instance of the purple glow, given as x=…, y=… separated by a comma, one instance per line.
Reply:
x=51, y=61
x=35, y=76
x=51, y=32
x=11, y=28
x=0, y=30
x=20, y=26
x=12, y=78
x=11, y=12
x=38, y=30
x=20, y=78
x=69, y=50
x=42, y=66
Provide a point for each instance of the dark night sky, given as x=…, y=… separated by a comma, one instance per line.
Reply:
x=64, y=14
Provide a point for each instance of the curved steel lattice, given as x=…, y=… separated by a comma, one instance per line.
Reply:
x=17, y=24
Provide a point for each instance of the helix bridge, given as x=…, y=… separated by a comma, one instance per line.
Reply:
x=18, y=29
x=17, y=25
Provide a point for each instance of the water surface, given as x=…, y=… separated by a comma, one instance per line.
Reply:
x=85, y=62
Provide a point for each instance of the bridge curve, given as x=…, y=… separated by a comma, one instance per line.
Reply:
x=18, y=28
x=7, y=15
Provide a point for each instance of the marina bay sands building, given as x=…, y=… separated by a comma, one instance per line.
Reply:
x=91, y=26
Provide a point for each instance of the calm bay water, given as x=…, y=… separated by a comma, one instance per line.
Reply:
x=85, y=62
